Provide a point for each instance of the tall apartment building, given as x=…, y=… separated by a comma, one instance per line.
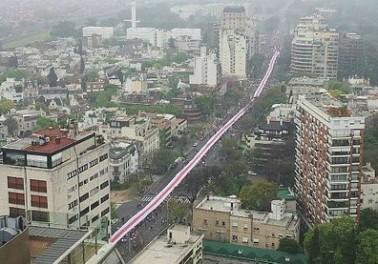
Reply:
x=233, y=54
x=329, y=144
x=350, y=54
x=223, y=219
x=56, y=176
x=237, y=41
x=315, y=48
x=234, y=18
x=205, y=69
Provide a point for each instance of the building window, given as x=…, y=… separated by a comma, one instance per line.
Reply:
x=94, y=176
x=234, y=238
x=272, y=244
x=38, y=186
x=40, y=216
x=14, y=212
x=223, y=223
x=72, y=219
x=105, y=198
x=16, y=198
x=94, y=219
x=15, y=183
x=94, y=191
x=103, y=157
x=71, y=174
x=39, y=201
x=83, y=168
x=84, y=212
x=94, y=205
x=93, y=163
x=72, y=205
x=105, y=212
x=205, y=221
x=84, y=197
x=217, y=222
x=104, y=185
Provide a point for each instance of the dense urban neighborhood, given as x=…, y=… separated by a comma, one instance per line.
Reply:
x=177, y=132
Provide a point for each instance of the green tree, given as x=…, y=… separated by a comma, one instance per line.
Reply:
x=6, y=105
x=12, y=126
x=206, y=104
x=64, y=29
x=45, y=122
x=14, y=73
x=103, y=99
x=258, y=196
x=177, y=211
x=162, y=160
x=368, y=219
x=289, y=245
x=337, y=241
x=367, y=249
x=52, y=78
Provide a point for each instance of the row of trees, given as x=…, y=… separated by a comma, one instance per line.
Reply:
x=344, y=242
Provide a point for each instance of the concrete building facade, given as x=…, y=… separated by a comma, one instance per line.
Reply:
x=222, y=219
x=329, y=149
x=205, y=69
x=315, y=48
x=56, y=176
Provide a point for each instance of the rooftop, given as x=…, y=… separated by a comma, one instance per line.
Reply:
x=162, y=251
x=242, y=252
x=234, y=9
x=308, y=81
x=46, y=141
x=223, y=204
x=62, y=242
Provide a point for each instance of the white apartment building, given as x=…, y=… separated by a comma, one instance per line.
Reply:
x=369, y=188
x=193, y=33
x=234, y=18
x=136, y=85
x=12, y=89
x=315, y=48
x=179, y=246
x=233, y=54
x=56, y=176
x=104, y=32
x=156, y=37
x=139, y=129
x=205, y=69
x=329, y=143
x=124, y=159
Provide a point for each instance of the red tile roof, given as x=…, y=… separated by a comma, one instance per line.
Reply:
x=57, y=140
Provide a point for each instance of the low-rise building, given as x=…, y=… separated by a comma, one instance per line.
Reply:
x=26, y=120
x=12, y=89
x=123, y=159
x=305, y=86
x=48, y=243
x=369, y=188
x=179, y=246
x=3, y=129
x=223, y=219
x=135, y=128
x=56, y=176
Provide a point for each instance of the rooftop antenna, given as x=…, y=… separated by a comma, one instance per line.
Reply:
x=133, y=19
